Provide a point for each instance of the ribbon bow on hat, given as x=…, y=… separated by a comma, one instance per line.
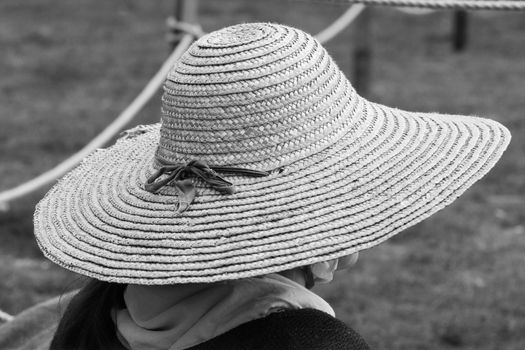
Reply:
x=179, y=175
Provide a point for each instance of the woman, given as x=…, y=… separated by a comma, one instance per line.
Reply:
x=267, y=169
x=270, y=312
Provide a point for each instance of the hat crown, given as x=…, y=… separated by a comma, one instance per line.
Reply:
x=254, y=95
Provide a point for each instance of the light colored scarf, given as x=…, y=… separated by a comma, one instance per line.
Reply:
x=177, y=317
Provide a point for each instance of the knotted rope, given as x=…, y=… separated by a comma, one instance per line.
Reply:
x=187, y=28
x=508, y=5
x=179, y=28
x=194, y=31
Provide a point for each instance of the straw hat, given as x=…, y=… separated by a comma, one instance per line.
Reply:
x=265, y=159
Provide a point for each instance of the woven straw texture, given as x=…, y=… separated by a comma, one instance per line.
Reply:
x=346, y=174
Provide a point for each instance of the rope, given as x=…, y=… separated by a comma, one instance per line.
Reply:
x=191, y=31
x=339, y=24
x=415, y=10
x=5, y=317
x=177, y=29
x=109, y=132
x=508, y=5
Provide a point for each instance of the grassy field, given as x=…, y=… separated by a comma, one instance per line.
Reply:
x=455, y=281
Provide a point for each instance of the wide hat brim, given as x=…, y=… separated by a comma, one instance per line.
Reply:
x=100, y=222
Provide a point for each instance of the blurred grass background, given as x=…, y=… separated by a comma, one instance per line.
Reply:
x=455, y=281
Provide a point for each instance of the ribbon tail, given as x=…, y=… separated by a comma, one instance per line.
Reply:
x=187, y=194
x=221, y=185
x=241, y=171
x=215, y=180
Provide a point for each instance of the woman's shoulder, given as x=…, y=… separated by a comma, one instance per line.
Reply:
x=290, y=329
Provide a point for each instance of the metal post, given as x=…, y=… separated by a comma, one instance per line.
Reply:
x=459, y=35
x=362, y=54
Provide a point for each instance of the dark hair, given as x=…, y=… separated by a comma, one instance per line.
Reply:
x=87, y=323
